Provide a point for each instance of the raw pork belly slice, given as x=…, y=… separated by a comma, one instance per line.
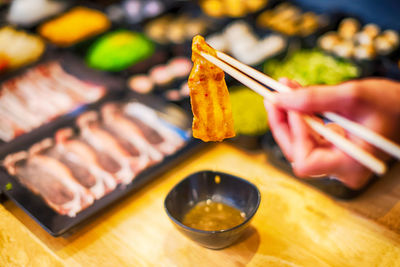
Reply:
x=8, y=129
x=120, y=126
x=50, y=179
x=157, y=132
x=72, y=170
x=40, y=95
x=107, y=146
x=80, y=159
x=87, y=91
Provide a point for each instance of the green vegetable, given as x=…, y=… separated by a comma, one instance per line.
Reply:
x=9, y=186
x=248, y=112
x=118, y=50
x=309, y=67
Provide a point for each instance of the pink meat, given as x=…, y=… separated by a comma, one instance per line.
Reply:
x=83, y=162
x=105, y=144
x=8, y=130
x=41, y=94
x=51, y=180
x=153, y=128
x=89, y=92
x=114, y=120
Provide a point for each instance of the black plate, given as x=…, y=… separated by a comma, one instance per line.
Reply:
x=57, y=224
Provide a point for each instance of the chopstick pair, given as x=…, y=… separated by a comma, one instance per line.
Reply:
x=238, y=70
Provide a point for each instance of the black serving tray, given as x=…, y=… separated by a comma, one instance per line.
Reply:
x=57, y=224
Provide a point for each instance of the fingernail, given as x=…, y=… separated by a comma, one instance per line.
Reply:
x=318, y=176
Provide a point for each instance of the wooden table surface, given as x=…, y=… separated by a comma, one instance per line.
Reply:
x=295, y=225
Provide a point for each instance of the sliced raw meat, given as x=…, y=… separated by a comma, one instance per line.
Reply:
x=114, y=120
x=103, y=142
x=8, y=130
x=83, y=162
x=41, y=94
x=78, y=161
x=156, y=131
x=50, y=179
x=89, y=92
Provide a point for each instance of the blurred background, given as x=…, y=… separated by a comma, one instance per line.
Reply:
x=136, y=49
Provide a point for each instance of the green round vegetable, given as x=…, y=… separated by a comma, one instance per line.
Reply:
x=309, y=67
x=249, y=115
x=118, y=50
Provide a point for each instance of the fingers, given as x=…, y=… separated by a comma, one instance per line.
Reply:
x=309, y=157
x=381, y=93
x=312, y=158
x=301, y=138
x=291, y=83
x=334, y=127
x=280, y=129
x=310, y=154
x=320, y=161
x=343, y=98
x=320, y=98
x=334, y=163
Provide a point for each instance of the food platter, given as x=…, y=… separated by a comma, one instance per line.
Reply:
x=57, y=224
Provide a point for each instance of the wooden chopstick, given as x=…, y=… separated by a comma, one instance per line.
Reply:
x=356, y=129
x=363, y=157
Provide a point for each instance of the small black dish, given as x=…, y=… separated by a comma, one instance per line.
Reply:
x=204, y=185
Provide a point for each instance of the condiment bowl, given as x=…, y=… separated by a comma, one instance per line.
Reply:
x=217, y=187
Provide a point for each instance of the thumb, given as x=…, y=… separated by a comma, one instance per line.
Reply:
x=319, y=98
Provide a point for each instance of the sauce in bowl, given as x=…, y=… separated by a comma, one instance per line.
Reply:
x=213, y=216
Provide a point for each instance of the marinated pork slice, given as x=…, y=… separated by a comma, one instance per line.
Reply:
x=51, y=180
x=106, y=145
x=125, y=130
x=157, y=132
x=209, y=96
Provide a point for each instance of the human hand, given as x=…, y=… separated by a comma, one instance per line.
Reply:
x=371, y=102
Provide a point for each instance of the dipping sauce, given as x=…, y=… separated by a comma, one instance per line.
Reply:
x=213, y=216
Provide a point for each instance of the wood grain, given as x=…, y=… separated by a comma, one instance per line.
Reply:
x=381, y=201
x=19, y=247
x=295, y=225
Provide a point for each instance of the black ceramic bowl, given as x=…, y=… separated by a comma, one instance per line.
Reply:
x=202, y=186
